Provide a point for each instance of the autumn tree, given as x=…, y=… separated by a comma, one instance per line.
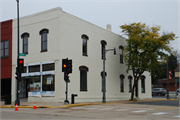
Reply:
x=145, y=49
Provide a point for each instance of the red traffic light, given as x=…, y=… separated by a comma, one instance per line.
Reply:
x=20, y=61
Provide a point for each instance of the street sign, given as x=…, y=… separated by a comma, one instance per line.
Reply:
x=176, y=80
x=22, y=54
x=170, y=74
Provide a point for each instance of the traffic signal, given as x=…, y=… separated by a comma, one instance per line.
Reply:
x=18, y=74
x=20, y=65
x=66, y=77
x=64, y=64
x=69, y=66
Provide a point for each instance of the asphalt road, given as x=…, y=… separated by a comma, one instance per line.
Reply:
x=116, y=111
x=174, y=103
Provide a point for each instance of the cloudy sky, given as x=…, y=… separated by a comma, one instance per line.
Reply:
x=165, y=13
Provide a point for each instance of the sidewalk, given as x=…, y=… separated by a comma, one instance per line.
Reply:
x=61, y=105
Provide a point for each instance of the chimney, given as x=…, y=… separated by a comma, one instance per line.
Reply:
x=108, y=27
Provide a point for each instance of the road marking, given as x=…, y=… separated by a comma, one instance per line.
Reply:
x=106, y=109
x=177, y=116
x=160, y=113
x=165, y=108
x=77, y=107
x=137, y=108
x=121, y=110
x=90, y=108
x=140, y=111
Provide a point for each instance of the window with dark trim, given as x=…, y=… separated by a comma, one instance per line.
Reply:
x=48, y=67
x=130, y=83
x=44, y=39
x=4, y=48
x=122, y=83
x=103, y=46
x=34, y=68
x=143, y=84
x=83, y=78
x=121, y=53
x=102, y=80
x=84, y=45
x=25, y=36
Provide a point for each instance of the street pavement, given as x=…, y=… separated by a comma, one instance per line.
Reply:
x=110, y=111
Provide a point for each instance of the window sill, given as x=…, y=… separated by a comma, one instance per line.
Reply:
x=85, y=55
x=43, y=50
x=4, y=57
x=83, y=90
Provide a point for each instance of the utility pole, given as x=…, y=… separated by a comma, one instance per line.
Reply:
x=17, y=101
x=104, y=79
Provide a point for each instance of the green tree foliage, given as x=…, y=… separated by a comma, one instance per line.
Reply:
x=161, y=72
x=145, y=48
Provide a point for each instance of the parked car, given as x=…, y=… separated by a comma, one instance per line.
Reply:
x=177, y=91
x=159, y=91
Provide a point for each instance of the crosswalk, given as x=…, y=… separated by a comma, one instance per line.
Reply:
x=124, y=109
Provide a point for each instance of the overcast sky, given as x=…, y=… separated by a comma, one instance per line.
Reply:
x=102, y=12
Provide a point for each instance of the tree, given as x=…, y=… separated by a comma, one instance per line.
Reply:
x=145, y=49
x=161, y=72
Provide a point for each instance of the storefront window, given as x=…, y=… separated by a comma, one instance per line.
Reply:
x=35, y=68
x=48, y=67
x=34, y=84
x=48, y=83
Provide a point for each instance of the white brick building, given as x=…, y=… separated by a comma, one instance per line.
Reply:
x=50, y=36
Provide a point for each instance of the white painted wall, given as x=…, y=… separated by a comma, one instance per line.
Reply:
x=64, y=40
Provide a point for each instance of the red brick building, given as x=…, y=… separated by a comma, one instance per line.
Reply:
x=6, y=57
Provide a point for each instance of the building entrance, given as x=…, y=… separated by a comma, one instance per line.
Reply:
x=24, y=87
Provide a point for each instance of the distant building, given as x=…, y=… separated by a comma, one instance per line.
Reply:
x=50, y=36
x=172, y=83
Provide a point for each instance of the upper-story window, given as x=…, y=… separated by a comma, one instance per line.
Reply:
x=25, y=37
x=84, y=44
x=121, y=54
x=4, y=48
x=103, y=46
x=44, y=39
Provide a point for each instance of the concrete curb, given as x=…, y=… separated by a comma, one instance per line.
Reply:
x=84, y=104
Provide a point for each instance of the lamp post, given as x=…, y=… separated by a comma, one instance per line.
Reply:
x=17, y=101
x=104, y=79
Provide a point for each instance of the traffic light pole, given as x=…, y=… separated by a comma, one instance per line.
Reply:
x=17, y=101
x=167, y=81
x=66, y=92
x=104, y=79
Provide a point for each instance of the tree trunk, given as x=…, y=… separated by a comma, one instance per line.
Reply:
x=132, y=91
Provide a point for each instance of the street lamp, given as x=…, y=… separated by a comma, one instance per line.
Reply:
x=104, y=80
x=17, y=101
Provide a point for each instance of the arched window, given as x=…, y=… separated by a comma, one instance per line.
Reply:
x=142, y=83
x=83, y=78
x=130, y=82
x=44, y=39
x=121, y=53
x=25, y=37
x=102, y=80
x=103, y=46
x=121, y=83
x=84, y=44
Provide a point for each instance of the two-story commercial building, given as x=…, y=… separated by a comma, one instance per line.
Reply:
x=6, y=58
x=50, y=36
